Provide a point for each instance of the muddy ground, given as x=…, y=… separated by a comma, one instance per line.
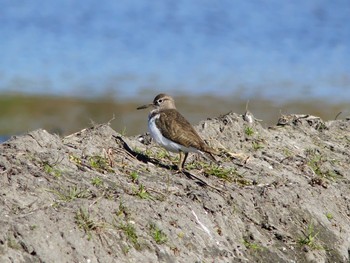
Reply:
x=277, y=194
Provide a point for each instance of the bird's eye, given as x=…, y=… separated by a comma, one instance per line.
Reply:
x=160, y=101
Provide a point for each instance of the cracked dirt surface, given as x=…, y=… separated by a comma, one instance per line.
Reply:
x=277, y=194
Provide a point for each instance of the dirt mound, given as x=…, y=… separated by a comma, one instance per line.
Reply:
x=278, y=194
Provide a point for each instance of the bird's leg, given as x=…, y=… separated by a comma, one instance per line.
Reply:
x=183, y=157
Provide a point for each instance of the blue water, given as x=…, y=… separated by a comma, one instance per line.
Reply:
x=270, y=48
x=4, y=138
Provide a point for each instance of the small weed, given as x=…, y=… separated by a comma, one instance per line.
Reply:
x=122, y=210
x=220, y=172
x=193, y=165
x=158, y=235
x=250, y=245
x=70, y=193
x=130, y=233
x=84, y=221
x=125, y=249
x=309, y=238
x=315, y=162
x=142, y=193
x=330, y=175
x=137, y=150
x=33, y=227
x=148, y=152
x=162, y=154
x=257, y=145
x=12, y=243
x=321, y=126
x=226, y=173
x=159, y=154
x=75, y=159
x=134, y=176
x=329, y=216
x=100, y=164
x=97, y=181
x=181, y=235
x=50, y=169
x=123, y=132
x=249, y=131
x=287, y=152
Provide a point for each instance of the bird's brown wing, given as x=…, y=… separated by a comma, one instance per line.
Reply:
x=175, y=127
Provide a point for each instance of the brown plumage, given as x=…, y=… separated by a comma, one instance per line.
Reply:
x=175, y=128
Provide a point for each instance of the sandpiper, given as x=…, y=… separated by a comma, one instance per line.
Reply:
x=172, y=131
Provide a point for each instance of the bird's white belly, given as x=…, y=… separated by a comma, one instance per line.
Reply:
x=166, y=143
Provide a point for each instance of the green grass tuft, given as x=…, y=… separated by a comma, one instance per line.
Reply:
x=158, y=235
x=309, y=238
x=130, y=233
x=85, y=222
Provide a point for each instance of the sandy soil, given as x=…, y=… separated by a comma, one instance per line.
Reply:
x=277, y=194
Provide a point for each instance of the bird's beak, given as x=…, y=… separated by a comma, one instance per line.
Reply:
x=145, y=106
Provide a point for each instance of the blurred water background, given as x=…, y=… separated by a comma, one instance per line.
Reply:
x=65, y=64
